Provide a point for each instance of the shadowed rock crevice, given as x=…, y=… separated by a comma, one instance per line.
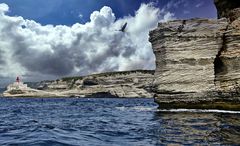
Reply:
x=219, y=67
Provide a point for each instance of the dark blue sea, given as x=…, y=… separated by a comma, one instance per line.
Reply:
x=111, y=122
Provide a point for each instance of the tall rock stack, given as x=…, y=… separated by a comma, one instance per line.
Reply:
x=197, y=61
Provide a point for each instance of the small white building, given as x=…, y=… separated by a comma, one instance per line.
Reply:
x=17, y=86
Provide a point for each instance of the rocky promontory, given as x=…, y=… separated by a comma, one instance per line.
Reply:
x=197, y=61
x=113, y=84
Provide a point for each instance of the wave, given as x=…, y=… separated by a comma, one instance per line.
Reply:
x=138, y=108
x=145, y=108
x=199, y=111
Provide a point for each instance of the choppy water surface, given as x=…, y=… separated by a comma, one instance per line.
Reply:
x=69, y=121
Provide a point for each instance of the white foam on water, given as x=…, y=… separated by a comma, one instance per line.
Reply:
x=199, y=111
x=121, y=108
x=144, y=108
x=138, y=108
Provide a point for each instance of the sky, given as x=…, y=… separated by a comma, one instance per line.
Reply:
x=41, y=40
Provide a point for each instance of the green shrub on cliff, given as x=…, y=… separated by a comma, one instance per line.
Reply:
x=67, y=79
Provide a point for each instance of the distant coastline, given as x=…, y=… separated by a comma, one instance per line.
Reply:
x=123, y=84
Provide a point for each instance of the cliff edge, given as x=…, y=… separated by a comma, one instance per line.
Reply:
x=197, y=61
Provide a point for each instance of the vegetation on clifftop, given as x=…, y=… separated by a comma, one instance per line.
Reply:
x=108, y=74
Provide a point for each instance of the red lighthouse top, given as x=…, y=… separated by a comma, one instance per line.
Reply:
x=18, y=79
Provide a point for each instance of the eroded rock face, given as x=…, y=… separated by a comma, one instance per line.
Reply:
x=197, y=64
x=228, y=8
x=185, y=59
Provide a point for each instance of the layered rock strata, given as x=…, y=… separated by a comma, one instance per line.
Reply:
x=197, y=62
x=184, y=58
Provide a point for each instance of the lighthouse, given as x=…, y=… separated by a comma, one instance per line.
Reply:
x=18, y=85
x=17, y=79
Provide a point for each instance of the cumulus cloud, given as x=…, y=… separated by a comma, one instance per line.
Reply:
x=3, y=8
x=33, y=50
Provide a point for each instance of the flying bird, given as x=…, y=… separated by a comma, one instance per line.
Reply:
x=123, y=27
